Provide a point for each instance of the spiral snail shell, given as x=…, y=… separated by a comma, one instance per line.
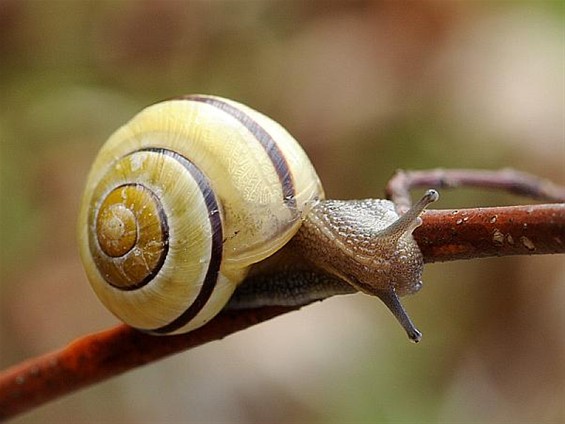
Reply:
x=194, y=192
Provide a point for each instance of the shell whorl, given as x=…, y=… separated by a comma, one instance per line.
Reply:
x=131, y=236
x=181, y=201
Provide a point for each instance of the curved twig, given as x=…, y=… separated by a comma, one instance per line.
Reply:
x=510, y=180
x=99, y=356
x=444, y=235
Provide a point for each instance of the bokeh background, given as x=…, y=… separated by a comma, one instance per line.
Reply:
x=367, y=87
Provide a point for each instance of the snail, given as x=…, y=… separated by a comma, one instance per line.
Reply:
x=199, y=195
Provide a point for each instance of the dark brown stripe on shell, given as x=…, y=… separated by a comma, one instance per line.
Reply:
x=264, y=138
x=211, y=277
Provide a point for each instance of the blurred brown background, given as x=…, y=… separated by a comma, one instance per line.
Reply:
x=367, y=87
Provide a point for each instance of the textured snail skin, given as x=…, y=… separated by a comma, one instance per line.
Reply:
x=195, y=195
x=343, y=247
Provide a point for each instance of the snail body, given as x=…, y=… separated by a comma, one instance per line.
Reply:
x=193, y=193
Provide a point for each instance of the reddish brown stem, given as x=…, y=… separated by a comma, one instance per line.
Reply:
x=444, y=235
x=498, y=231
x=99, y=356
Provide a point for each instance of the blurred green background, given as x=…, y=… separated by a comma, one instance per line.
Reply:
x=366, y=87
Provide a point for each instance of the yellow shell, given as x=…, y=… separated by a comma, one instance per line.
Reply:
x=181, y=201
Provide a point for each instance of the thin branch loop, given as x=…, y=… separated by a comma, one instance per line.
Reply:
x=510, y=180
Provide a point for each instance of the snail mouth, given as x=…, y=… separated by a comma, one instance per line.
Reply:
x=370, y=288
x=130, y=239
